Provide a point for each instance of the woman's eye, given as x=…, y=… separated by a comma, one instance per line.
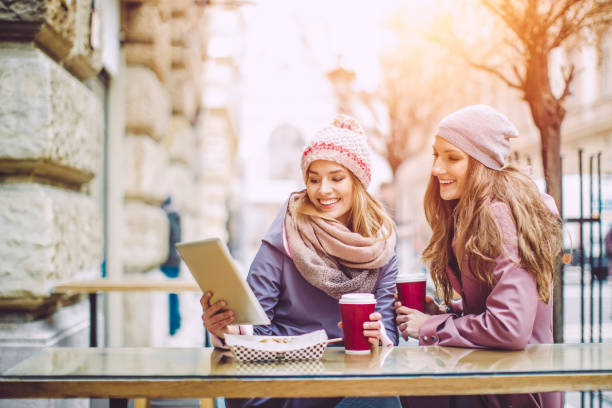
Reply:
x=338, y=179
x=314, y=181
x=451, y=158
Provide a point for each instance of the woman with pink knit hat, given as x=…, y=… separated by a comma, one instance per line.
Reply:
x=328, y=240
x=495, y=240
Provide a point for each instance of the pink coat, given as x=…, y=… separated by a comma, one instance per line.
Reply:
x=507, y=316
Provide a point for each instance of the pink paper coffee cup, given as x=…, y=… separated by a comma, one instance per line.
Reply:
x=356, y=309
x=411, y=290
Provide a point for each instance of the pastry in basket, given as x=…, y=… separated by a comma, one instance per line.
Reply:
x=309, y=346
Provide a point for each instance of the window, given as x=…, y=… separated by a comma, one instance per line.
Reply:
x=284, y=148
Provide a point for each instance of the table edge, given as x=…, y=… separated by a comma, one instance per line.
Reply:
x=303, y=387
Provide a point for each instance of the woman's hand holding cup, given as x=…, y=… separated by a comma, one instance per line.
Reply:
x=409, y=320
x=216, y=319
x=431, y=307
x=372, y=329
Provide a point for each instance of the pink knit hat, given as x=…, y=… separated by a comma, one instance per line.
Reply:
x=481, y=132
x=343, y=142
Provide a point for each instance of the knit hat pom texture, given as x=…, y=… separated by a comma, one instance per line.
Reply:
x=344, y=142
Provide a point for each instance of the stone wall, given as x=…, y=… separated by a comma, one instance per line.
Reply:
x=49, y=235
x=51, y=24
x=51, y=147
x=148, y=108
x=85, y=57
x=146, y=237
x=51, y=136
x=47, y=116
x=156, y=150
x=169, y=152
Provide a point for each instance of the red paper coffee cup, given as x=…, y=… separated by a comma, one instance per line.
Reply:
x=411, y=290
x=356, y=309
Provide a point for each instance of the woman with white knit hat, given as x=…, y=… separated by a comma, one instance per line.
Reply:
x=495, y=240
x=328, y=240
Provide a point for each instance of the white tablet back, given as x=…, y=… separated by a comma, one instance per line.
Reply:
x=214, y=270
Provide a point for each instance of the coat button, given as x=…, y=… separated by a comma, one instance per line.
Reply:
x=433, y=338
x=425, y=338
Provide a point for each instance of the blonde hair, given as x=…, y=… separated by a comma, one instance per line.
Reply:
x=479, y=239
x=367, y=216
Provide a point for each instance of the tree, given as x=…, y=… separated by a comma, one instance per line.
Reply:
x=400, y=116
x=532, y=29
x=414, y=91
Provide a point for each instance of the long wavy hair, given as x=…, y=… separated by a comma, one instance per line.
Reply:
x=479, y=239
x=367, y=216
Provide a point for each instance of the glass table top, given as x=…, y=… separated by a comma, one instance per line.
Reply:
x=109, y=363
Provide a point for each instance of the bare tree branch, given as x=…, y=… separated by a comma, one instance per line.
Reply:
x=567, y=78
x=518, y=75
x=570, y=25
x=494, y=8
x=520, y=84
x=598, y=14
x=514, y=46
x=552, y=18
x=366, y=99
x=509, y=15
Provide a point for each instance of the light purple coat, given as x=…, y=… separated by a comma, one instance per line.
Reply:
x=507, y=316
x=296, y=307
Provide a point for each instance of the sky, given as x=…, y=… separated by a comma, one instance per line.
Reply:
x=351, y=32
x=289, y=47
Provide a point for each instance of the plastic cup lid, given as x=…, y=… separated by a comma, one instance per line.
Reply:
x=411, y=277
x=357, y=298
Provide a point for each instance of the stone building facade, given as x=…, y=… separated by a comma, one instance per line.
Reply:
x=51, y=148
x=106, y=109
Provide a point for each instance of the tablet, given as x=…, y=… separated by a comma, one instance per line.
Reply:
x=214, y=270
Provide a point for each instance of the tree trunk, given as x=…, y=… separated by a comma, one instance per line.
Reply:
x=550, y=139
x=548, y=113
x=551, y=160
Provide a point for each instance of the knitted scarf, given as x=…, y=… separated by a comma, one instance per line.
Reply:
x=330, y=256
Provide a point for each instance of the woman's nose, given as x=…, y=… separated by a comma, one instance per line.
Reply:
x=325, y=186
x=436, y=169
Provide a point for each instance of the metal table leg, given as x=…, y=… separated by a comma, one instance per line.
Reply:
x=118, y=403
x=93, y=322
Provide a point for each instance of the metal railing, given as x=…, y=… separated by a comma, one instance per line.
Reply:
x=590, y=257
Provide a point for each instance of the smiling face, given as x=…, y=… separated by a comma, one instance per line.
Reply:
x=450, y=168
x=329, y=187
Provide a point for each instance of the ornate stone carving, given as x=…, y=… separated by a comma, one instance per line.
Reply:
x=50, y=23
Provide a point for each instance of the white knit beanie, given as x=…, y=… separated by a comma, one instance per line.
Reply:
x=481, y=132
x=344, y=142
